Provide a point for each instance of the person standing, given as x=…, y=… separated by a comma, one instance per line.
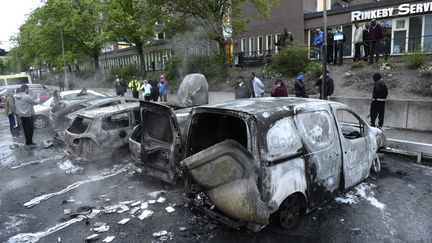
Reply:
x=299, y=88
x=339, y=39
x=366, y=43
x=135, y=86
x=329, y=87
x=154, y=93
x=61, y=84
x=379, y=97
x=242, y=89
x=24, y=108
x=10, y=110
x=375, y=36
x=257, y=85
x=279, y=90
x=146, y=88
x=329, y=46
x=165, y=81
x=318, y=42
x=358, y=41
x=119, y=86
x=162, y=91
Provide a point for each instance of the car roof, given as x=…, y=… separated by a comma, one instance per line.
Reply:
x=263, y=107
x=100, y=112
x=76, y=91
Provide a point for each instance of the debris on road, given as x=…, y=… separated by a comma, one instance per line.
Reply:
x=108, y=239
x=182, y=228
x=152, y=201
x=123, y=221
x=136, y=203
x=69, y=167
x=134, y=210
x=169, y=209
x=103, y=228
x=123, y=208
x=67, y=211
x=91, y=238
x=160, y=233
x=144, y=205
x=145, y=214
x=161, y=200
x=155, y=194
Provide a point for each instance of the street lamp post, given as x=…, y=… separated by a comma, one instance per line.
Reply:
x=324, y=51
x=64, y=60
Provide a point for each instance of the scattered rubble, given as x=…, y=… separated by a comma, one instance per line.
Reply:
x=91, y=238
x=169, y=209
x=108, y=239
x=160, y=233
x=123, y=221
x=103, y=228
x=161, y=200
x=155, y=194
x=145, y=214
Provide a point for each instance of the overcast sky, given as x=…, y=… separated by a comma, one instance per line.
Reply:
x=13, y=15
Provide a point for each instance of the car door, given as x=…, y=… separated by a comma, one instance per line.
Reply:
x=118, y=126
x=323, y=153
x=161, y=142
x=355, y=143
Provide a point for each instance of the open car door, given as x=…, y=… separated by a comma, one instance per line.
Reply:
x=225, y=172
x=161, y=142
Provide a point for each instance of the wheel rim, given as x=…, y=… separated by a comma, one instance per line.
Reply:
x=39, y=122
x=290, y=212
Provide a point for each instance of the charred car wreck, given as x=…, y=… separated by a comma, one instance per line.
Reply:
x=100, y=133
x=260, y=160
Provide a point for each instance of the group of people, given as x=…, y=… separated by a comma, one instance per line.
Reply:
x=254, y=88
x=151, y=89
x=20, y=111
x=368, y=37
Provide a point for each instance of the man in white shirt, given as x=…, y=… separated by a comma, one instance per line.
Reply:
x=358, y=40
x=258, y=86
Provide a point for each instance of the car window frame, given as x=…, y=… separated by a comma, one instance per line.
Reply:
x=105, y=121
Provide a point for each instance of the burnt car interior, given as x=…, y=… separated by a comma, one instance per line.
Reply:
x=116, y=121
x=79, y=125
x=351, y=126
x=161, y=126
x=211, y=128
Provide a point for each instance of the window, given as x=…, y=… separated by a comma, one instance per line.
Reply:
x=282, y=138
x=158, y=126
x=316, y=128
x=116, y=121
x=351, y=126
x=399, y=36
x=243, y=45
x=79, y=125
x=269, y=43
x=277, y=36
x=415, y=33
x=348, y=46
x=260, y=45
x=251, y=46
x=427, y=47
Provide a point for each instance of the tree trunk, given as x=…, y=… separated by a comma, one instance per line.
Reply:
x=139, y=47
x=96, y=61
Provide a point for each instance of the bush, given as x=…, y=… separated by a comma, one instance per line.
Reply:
x=314, y=70
x=125, y=72
x=270, y=72
x=426, y=71
x=415, y=59
x=292, y=59
x=214, y=68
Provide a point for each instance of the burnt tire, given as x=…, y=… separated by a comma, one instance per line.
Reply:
x=376, y=165
x=291, y=211
x=40, y=122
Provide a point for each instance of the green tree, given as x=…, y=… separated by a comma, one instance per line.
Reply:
x=211, y=15
x=132, y=21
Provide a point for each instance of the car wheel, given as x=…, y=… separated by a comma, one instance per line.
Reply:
x=376, y=165
x=40, y=122
x=291, y=211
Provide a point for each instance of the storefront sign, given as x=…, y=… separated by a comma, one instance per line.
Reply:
x=401, y=10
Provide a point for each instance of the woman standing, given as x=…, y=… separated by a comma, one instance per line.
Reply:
x=279, y=90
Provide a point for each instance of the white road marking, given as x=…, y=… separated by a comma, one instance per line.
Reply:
x=34, y=162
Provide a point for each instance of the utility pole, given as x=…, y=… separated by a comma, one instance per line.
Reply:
x=64, y=60
x=324, y=51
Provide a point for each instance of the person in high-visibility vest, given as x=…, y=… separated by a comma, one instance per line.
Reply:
x=134, y=85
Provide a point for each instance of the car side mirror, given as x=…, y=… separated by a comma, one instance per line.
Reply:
x=122, y=134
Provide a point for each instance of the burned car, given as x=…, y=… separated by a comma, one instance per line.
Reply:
x=100, y=133
x=261, y=160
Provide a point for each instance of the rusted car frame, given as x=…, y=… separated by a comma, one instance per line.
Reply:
x=261, y=160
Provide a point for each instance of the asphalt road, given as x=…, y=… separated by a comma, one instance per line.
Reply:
x=41, y=192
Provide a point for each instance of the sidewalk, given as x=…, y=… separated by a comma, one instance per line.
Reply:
x=408, y=135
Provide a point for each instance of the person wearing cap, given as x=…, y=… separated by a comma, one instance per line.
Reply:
x=10, y=110
x=318, y=42
x=24, y=107
x=165, y=83
x=299, y=88
x=379, y=97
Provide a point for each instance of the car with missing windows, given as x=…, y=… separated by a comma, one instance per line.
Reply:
x=101, y=133
x=257, y=161
x=42, y=111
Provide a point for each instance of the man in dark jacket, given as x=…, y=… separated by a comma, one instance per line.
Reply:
x=329, y=85
x=339, y=39
x=379, y=97
x=329, y=45
x=242, y=89
x=375, y=36
x=299, y=88
x=366, y=43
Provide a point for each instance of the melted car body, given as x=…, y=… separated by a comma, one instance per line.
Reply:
x=261, y=159
x=100, y=133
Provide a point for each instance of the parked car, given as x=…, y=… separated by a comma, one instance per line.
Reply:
x=100, y=133
x=36, y=90
x=59, y=118
x=42, y=112
x=260, y=160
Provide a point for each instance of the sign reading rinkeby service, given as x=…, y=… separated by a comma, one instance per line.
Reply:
x=403, y=9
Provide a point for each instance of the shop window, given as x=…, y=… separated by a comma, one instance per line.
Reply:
x=428, y=34
x=400, y=24
x=399, y=36
x=415, y=32
x=348, y=46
